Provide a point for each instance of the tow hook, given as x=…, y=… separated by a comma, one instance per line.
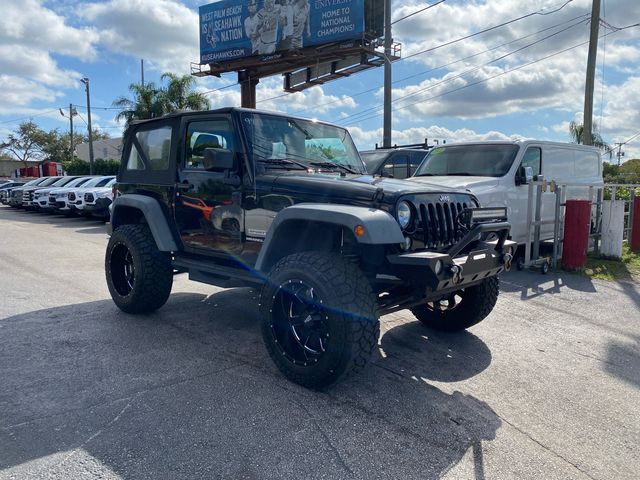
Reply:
x=456, y=271
x=508, y=259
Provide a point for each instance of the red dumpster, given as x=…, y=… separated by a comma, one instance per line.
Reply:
x=635, y=227
x=33, y=172
x=49, y=169
x=577, y=224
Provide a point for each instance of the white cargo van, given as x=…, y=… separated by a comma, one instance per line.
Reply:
x=498, y=173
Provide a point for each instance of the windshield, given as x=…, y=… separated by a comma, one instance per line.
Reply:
x=96, y=182
x=49, y=181
x=62, y=182
x=77, y=182
x=476, y=160
x=274, y=139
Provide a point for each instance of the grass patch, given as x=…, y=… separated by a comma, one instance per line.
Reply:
x=606, y=269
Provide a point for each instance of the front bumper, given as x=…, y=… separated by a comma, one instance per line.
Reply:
x=99, y=208
x=439, y=273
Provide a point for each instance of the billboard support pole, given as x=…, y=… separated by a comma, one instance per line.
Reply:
x=386, y=130
x=247, y=88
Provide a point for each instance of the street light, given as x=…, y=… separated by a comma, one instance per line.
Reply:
x=85, y=80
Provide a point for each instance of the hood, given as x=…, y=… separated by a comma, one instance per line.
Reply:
x=363, y=188
x=458, y=182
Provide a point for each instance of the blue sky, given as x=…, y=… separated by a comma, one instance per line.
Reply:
x=487, y=91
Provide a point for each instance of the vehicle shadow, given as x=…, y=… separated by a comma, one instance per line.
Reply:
x=190, y=392
x=533, y=284
x=623, y=360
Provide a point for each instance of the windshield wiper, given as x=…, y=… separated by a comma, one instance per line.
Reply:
x=284, y=162
x=332, y=165
x=427, y=175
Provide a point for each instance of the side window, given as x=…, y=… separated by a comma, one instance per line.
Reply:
x=203, y=135
x=396, y=166
x=533, y=158
x=156, y=147
x=135, y=160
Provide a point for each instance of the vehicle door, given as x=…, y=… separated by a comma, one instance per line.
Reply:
x=208, y=202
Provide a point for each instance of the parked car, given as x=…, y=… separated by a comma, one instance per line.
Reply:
x=393, y=162
x=58, y=198
x=41, y=195
x=75, y=196
x=28, y=192
x=5, y=190
x=15, y=200
x=498, y=173
x=97, y=200
x=337, y=249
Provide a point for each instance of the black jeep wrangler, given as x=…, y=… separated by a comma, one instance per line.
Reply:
x=237, y=197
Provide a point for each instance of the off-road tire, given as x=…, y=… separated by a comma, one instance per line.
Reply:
x=153, y=273
x=476, y=304
x=350, y=308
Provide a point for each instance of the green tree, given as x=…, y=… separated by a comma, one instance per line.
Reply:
x=150, y=101
x=179, y=94
x=26, y=143
x=576, y=132
x=146, y=103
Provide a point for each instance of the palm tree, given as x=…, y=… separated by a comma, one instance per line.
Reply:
x=179, y=94
x=146, y=103
x=576, y=132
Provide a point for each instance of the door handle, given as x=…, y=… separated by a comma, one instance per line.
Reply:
x=184, y=186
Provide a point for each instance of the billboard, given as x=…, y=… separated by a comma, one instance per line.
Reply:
x=234, y=29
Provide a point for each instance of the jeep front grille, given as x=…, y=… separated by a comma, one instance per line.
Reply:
x=437, y=226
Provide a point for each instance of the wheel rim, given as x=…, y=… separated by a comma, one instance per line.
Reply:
x=299, y=323
x=122, y=269
x=448, y=303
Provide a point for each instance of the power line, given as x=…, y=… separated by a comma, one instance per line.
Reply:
x=468, y=71
x=487, y=79
x=417, y=12
x=584, y=16
x=451, y=42
x=538, y=12
x=31, y=116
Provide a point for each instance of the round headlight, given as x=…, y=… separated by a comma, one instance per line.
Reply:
x=404, y=214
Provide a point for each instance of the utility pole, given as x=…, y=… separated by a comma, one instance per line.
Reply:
x=142, y=72
x=386, y=129
x=620, y=153
x=72, y=113
x=85, y=80
x=591, y=72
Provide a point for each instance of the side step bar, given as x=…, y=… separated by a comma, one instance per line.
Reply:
x=217, y=275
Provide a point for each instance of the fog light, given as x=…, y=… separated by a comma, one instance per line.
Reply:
x=407, y=244
x=438, y=267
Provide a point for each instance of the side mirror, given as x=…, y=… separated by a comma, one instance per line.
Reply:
x=218, y=159
x=525, y=175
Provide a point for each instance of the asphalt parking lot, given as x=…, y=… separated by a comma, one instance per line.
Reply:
x=548, y=387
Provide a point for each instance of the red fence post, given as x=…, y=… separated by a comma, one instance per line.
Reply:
x=635, y=227
x=577, y=224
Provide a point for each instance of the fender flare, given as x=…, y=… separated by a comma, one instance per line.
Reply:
x=153, y=214
x=380, y=228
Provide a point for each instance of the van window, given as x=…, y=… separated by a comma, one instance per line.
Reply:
x=532, y=158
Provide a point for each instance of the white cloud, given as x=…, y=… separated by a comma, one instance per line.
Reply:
x=164, y=32
x=29, y=24
x=29, y=34
x=366, y=139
